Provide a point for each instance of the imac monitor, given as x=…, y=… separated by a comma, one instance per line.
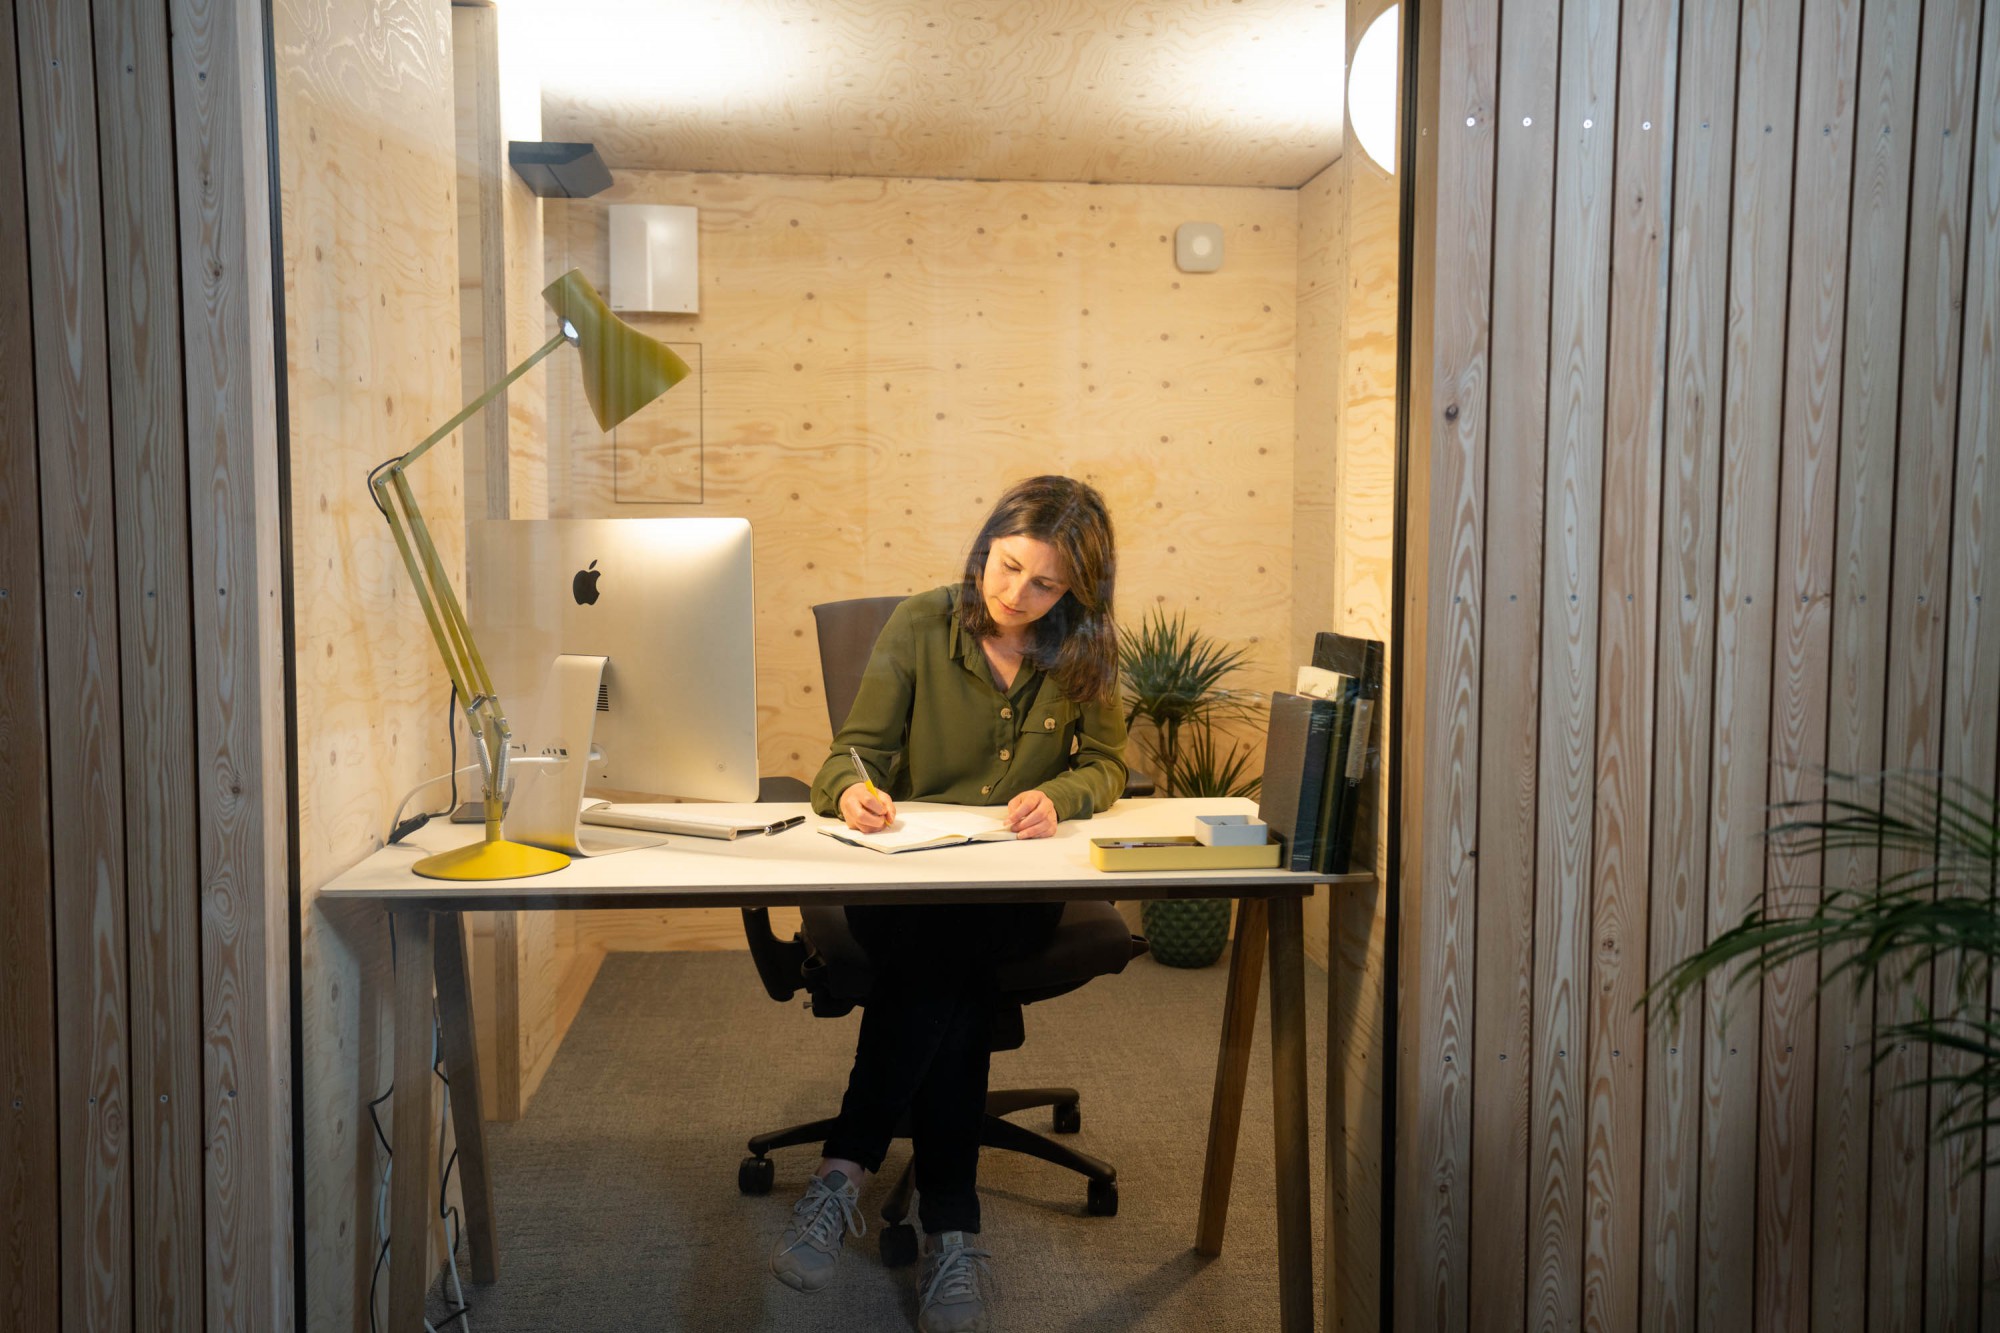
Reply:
x=668, y=602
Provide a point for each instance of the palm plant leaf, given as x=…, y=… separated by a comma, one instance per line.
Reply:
x=1935, y=898
x=1173, y=677
x=1170, y=669
x=1205, y=771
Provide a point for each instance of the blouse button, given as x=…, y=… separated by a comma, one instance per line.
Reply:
x=1006, y=712
x=985, y=791
x=1048, y=724
x=1005, y=755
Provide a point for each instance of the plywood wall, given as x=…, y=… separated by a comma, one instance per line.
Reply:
x=1341, y=561
x=879, y=358
x=367, y=157
x=497, y=99
x=1703, y=482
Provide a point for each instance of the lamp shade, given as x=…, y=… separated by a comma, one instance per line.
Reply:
x=623, y=369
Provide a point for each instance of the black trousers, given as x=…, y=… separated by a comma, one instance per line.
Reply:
x=924, y=1045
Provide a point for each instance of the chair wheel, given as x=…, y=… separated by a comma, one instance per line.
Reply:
x=1068, y=1118
x=1103, y=1198
x=899, y=1245
x=754, y=1175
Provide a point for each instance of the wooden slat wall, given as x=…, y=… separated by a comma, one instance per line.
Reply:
x=30, y=1274
x=229, y=341
x=1972, y=668
x=80, y=597
x=145, y=1180
x=1752, y=518
x=149, y=462
x=1935, y=1286
x=1801, y=680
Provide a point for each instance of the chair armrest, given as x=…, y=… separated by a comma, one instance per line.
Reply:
x=783, y=789
x=779, y=962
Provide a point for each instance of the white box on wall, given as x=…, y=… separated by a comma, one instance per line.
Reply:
x=654, y=249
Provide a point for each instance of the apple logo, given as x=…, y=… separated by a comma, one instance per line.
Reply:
x=584, y=586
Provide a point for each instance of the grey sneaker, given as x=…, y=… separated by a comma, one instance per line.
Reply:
x=951, y=1286
x=821, y=1219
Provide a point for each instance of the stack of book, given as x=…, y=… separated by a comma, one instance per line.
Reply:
x=1317, y=753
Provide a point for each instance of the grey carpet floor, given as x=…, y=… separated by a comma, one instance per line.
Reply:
x=616, y=1194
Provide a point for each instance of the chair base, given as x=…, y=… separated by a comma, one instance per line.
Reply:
x=755, y=1175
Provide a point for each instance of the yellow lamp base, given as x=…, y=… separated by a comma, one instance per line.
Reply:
x=498, y=859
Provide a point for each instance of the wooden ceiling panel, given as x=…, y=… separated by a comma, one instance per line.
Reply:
x=1186, y=92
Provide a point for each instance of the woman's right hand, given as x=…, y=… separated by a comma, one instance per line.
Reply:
x=865, y=813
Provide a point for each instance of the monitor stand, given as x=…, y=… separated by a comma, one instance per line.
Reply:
x=548, y=795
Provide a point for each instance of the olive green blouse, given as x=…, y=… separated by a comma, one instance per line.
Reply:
x=930, y=719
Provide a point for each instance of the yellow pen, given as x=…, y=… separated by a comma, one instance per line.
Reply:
x=862, y=769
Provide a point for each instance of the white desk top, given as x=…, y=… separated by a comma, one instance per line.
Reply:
x=801, y=866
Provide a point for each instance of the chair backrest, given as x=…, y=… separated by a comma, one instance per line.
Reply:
x=847, y=634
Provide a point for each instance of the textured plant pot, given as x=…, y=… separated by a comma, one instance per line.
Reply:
x=1186, y=932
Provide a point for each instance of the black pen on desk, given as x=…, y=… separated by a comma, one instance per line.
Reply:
x=784, y=824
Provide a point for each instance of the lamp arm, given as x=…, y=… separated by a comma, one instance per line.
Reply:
x=452, y=615
x=387, y=500
x=450, y=632
x=442, y=610
x=465, y=413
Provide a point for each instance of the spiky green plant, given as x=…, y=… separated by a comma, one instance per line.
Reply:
x=1204, y=770
x=1173, y=678
x=1934, y=899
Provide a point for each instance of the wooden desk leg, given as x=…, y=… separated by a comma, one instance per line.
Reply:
x=410, y=1183
x=1232, y=1072
x=461, y=1066
x=1288, y=1115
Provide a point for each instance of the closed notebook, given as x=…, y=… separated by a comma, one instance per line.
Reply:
x=1296, y=749
x=688, y=819
x=1180, y=853
x=916, y=833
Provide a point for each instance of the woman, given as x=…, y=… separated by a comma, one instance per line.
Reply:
x=1002, y=691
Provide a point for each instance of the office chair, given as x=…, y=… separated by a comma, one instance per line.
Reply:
x=828, y=963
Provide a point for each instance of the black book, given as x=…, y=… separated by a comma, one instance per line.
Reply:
x=1334, y=792
x=1352, y=767
x=1296, y=750
x=1361, y=661
x=1345, y=655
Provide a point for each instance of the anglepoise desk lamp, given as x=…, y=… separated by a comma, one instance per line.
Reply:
x=623, y=370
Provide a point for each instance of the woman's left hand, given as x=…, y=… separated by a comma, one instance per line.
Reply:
x=1031, y=815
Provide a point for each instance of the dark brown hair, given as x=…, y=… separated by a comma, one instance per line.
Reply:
x=1077, y=641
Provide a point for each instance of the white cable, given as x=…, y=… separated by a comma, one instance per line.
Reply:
x=403, y=804
x=451, y=1237
x=530, y=760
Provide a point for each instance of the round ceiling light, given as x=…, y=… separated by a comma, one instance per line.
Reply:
x=1371, y=91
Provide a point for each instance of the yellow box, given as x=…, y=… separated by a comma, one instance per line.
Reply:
x=1178, y=854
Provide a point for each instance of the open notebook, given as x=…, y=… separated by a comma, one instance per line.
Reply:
x=933, y=828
